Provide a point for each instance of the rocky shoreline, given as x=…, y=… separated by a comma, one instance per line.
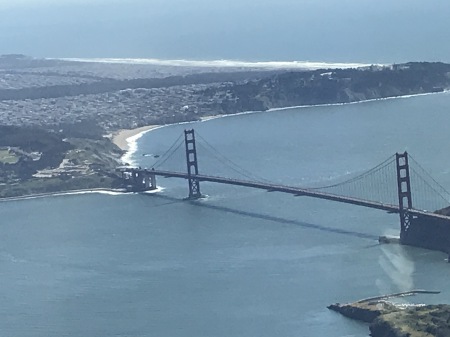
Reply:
x=389, y=320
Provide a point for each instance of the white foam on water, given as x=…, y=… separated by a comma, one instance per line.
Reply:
x=80, y=192
x=207, y=118
x=132, y=143
x=66, y=193
x=157, y=190
x=398, y=267
x=224, y=63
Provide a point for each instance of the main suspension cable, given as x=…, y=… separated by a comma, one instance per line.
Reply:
x=169, y=153
x=229, y=163
x=375, y=169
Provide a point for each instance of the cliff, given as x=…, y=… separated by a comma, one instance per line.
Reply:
x=429, y=233
x=330, y=86
x=35, y=160
x=388, y=320
x=365, y=312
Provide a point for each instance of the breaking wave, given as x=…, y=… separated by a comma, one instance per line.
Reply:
x=223, y=63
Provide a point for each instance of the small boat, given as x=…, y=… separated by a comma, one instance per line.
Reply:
x=149, y=154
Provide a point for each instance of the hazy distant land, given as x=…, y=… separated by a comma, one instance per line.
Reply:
x=66, y=108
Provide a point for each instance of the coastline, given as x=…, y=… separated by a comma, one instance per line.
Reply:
x=122, y=138
x=62, y=193
x=208, y=118
x=363, y=101
x=106, y=191
x=223, y=63
x=126, y=139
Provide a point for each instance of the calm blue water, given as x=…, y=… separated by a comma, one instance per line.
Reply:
x=241, y=262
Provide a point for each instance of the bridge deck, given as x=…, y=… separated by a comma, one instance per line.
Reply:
x=296, y=191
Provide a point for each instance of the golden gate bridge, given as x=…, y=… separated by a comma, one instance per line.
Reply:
x=389, y=186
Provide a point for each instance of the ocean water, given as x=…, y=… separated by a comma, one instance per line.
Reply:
x=384, y=31
x=240, y=262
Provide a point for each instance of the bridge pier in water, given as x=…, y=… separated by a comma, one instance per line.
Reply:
x=139, y=180
x=418, y=227
x=429, y=231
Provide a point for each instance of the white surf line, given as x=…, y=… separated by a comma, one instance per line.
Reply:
x=223, y=63
x=133, y=145
x=210, y=118
x=110, y=192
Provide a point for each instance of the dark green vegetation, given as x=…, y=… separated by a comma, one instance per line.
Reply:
x=36, y=149
x=8, y=157
x=387, y=320
x=425, y=321
x=329, y=86
x=109, y=85
x=82, y=129
x=47, y=161
x=38, y=186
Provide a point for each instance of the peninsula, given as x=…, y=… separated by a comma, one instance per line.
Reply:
x=58, y=118
x=389, y=320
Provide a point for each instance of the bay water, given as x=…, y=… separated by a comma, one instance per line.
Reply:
x=240, y=262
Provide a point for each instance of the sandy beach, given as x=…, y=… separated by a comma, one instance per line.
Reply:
x=120, y=137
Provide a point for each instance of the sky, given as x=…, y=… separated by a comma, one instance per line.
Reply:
x=367, y=31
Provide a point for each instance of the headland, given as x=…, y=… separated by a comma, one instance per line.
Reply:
x=66, y=125
x=393, y=320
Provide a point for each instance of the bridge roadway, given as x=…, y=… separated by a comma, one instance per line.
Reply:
x=296, y=191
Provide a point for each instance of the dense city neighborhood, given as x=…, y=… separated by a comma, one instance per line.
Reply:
x=70, y=110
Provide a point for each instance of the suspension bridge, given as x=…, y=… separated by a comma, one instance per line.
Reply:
x=388, y=186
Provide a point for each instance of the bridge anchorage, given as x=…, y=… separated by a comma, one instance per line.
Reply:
x=388, y=186
x=142, y=179
x=138, y=179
